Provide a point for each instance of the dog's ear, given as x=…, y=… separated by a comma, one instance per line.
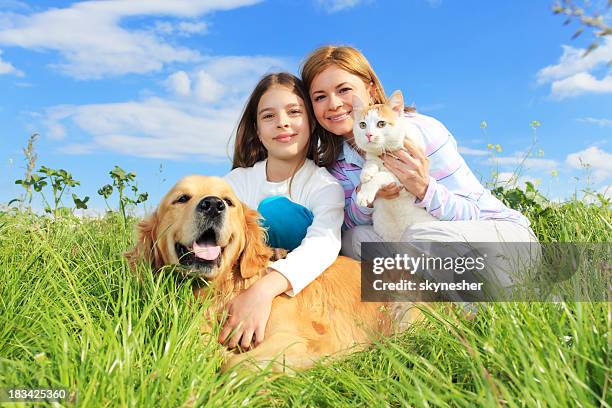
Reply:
x=146, y=247
x=256, y=253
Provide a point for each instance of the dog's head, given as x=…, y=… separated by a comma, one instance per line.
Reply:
x=201, y=225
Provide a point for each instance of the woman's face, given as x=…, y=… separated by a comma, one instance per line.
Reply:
x=331, y=93
x=282, y=124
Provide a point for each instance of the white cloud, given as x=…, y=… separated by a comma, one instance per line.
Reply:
x=595, y=121
x=175, y=128
x=510, y=179
x=8, y=68
x=183, y=28
x=55, y=129
x=598, y=161
x=332, y=6
x=154, y=128
x=467, y=151
x=189, y=27
x=574, y=75
x=579, y=84
x=179, y=83
x=207, y=88
x=533, y=163
x=94, y=44
x=572, y=62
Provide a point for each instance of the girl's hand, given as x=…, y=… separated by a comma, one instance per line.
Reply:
x=411, y=167
x=388, y=192
x=248, y=313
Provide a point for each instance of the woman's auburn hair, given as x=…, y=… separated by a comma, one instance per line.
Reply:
x=352, y=61
x=248, y=149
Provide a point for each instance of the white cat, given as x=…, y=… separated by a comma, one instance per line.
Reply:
x=378, y=129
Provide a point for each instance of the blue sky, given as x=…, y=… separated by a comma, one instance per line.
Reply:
x=156, y=87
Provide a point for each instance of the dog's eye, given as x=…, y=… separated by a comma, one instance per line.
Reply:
x=381, y=124
x=182, y=199
x=228, y=201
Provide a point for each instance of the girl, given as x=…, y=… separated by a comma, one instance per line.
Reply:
x=438, y=176
x=301, y=203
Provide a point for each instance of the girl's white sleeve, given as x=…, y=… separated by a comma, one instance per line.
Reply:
x=321, y=245
x=237, y=181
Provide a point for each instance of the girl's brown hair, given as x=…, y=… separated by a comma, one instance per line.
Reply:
x=352, y=61
x=248, y=149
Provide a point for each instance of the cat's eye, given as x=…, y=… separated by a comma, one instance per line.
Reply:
x=362, y=125
x=381, y=124
x=182, y=199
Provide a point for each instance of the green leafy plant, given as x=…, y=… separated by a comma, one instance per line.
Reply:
x=530, y=201
x=123, y=181
x=59, y=180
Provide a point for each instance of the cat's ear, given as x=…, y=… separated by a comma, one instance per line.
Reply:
x=396, y=102
x=357, y=104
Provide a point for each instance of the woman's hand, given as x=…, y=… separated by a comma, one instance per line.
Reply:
x=248, y=313
x=411, y=167
x=389, y=192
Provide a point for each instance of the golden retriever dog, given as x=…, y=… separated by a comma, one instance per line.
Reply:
x=201, y=225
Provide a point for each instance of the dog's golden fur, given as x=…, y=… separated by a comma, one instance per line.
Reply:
x=326, y=318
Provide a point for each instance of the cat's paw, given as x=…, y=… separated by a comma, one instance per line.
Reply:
x=368, y=173
x=366, y=194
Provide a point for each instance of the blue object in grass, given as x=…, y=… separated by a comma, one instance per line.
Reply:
x=286, y=221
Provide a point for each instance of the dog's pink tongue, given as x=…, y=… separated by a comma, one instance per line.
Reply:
x=207, y=251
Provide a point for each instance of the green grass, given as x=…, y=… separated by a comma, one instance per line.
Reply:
x=73, y=315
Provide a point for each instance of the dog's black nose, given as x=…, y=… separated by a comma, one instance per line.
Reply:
x=211, y=206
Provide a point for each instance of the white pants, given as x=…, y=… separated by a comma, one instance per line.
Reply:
x=504, y=261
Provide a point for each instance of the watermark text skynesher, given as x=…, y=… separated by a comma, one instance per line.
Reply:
x=407, y=285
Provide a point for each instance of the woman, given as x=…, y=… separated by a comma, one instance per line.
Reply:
x=301, y=204
x=438, y=177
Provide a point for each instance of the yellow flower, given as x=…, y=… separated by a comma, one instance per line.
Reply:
x=498, y=148
x=490, y=146
x=554, y=173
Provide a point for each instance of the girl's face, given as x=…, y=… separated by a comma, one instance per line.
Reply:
x=331, y=93
x=282, y=124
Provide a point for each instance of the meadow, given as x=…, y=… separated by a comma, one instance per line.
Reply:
x=74, y=316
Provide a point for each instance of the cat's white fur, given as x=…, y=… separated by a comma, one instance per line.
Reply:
x=390, y=217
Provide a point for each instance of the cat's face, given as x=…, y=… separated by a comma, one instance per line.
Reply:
x=376, y=128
